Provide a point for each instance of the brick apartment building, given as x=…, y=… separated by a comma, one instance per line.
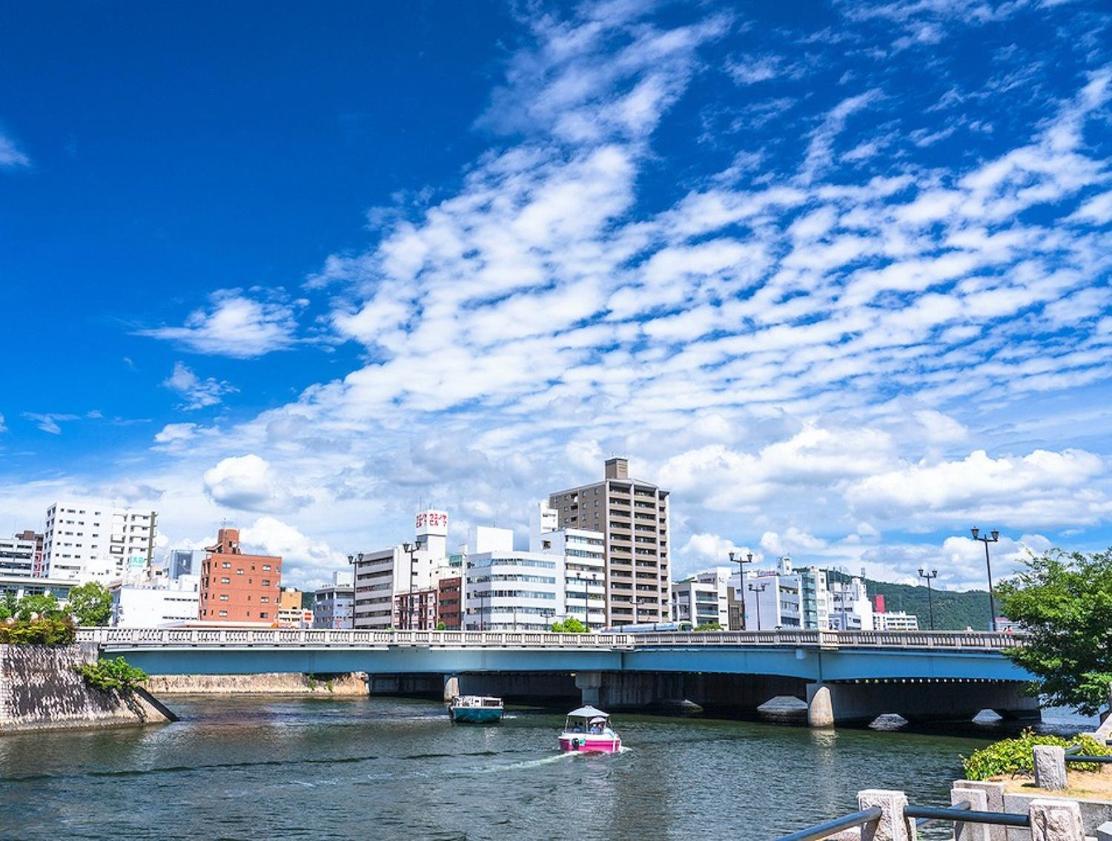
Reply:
x=236, y=587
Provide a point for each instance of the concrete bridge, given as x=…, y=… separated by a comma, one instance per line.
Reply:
x=843, y=676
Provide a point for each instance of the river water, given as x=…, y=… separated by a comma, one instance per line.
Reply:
x=377, y=768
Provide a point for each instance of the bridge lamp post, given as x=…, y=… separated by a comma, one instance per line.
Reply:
x=930, y=576
x=758, y=589
x=995, y=538
x=741, y=562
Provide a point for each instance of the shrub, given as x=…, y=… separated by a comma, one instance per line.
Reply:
x=41, y=631
x=112, y=675
x=571, y=625
x=708, y=626
x=90, y=604
x=1009, y=757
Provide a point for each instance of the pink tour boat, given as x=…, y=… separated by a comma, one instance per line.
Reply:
x=588, y=730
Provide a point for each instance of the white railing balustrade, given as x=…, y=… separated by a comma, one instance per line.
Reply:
x=325, y=638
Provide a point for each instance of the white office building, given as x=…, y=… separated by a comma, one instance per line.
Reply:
x=17, y=557
x=408, y=567
x=785, y=598
x=896, y=621
x=507, y=590
x=584, y=555
x=334, y=605
x=94, y=541
x=851, y=608
x=151, y=606
x=703, y=598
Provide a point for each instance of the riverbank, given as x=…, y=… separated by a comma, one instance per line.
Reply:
x=40, y=689
x=337, y=686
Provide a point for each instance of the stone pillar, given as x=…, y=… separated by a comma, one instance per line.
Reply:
x=590, y=686
x=994, y=802
x=1056, y=820
x=1050, y=767
x=892, y=825
x=978, y=802
x=820, y=710
x=451, y=687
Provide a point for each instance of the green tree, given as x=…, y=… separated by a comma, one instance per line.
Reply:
x=1064, y=603
x=44, y=605
x=90, y=604
x=709, y=626
x=571, y=625
x=9, y=604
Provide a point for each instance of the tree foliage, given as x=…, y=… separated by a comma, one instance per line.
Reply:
x=1009, y=757
x=1064, y=603
x=709, y=626
x=571, y=625
x=40, y=605
x=90, y=603
x=112, y=675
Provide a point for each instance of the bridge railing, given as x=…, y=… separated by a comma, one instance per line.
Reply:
x=328, y=638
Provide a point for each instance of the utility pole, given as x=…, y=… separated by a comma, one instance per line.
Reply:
x=995, y=538
x=930, y=576
x=741, y=562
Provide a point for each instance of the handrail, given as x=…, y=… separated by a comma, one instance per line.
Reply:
x=964, y=805
x=953, y=813
x=1080, y=757
x=930, y=641
x=828, y=828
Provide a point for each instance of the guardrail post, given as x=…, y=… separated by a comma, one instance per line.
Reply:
x=994, y=802
x=891, y=825
x=978, y=802
x=1050, y=767
x=1056, y=819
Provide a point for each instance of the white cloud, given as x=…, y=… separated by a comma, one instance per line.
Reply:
x=248, y=483
x=10, y=155
x=198, y=392
x=306, y=562
x=51, y=421
x=235, y=325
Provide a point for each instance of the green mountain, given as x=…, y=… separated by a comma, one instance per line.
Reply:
x=953, y=610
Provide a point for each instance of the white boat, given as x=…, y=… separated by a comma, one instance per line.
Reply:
x=475, y=709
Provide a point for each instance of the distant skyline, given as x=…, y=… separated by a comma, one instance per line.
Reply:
x=835, y=274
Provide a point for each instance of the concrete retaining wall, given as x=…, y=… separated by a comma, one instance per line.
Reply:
x=40, y=690
x=344, y=685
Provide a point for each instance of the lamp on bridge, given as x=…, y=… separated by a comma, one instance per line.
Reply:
x=930, y=576
x=995, y=538
x=758, y=589
x=735, y=558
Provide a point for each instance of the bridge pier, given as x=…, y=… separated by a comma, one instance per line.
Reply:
x=630, y=690
x=917, y=700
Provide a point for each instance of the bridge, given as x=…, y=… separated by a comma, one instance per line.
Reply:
x=844, y=676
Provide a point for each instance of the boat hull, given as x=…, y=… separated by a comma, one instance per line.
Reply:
x=475, y=715
x=589, y=743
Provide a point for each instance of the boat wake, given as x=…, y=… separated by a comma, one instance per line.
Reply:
x=529, y=763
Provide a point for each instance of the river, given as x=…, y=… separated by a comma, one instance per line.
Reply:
x=383, y=768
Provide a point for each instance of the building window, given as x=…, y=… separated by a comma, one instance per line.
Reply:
x=263, y=615
x=223, y=613
x=239, y=571
x=266, y=567
x=227, y=565
x=225, y=580
x=223, y=597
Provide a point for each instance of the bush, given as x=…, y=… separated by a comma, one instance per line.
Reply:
x=708, y=626
x=1009, y=757
x=112, y=675
x=571, y=625
x=41, y=631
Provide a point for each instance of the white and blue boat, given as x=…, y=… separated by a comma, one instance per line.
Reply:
x=475, y=709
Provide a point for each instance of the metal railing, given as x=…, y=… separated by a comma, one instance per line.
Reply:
x=329, y=638
x=959, y=813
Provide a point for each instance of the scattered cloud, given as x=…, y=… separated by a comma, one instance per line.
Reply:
x=50, y=422
x=198, y=393
x=248, y=483
x=10, y=155
x=234, y=325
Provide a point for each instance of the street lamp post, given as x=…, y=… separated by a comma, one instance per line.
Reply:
x=930, y=576
x=758, y=589
x=994, y=538
x=735, y=558
x=411, y=550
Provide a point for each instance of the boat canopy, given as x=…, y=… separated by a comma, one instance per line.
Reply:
x=589, y=713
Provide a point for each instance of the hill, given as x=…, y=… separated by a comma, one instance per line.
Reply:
x=953, y=610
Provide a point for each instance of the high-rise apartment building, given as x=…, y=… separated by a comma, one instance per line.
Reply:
x=92, y=541
x=584, y=557
x=785, y=598
x=633, y=518
x=38, y=557
x=703, y=598
x=236, y=587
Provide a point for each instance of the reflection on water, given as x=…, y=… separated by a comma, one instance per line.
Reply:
x=386, y=768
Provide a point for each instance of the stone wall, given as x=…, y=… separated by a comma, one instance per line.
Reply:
x=40, y=690
x=343, y=685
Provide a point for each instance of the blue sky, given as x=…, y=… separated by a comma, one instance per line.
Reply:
x=836, y=274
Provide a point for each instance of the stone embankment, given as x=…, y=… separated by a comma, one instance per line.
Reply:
x=334, y=686
x=40, y=689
